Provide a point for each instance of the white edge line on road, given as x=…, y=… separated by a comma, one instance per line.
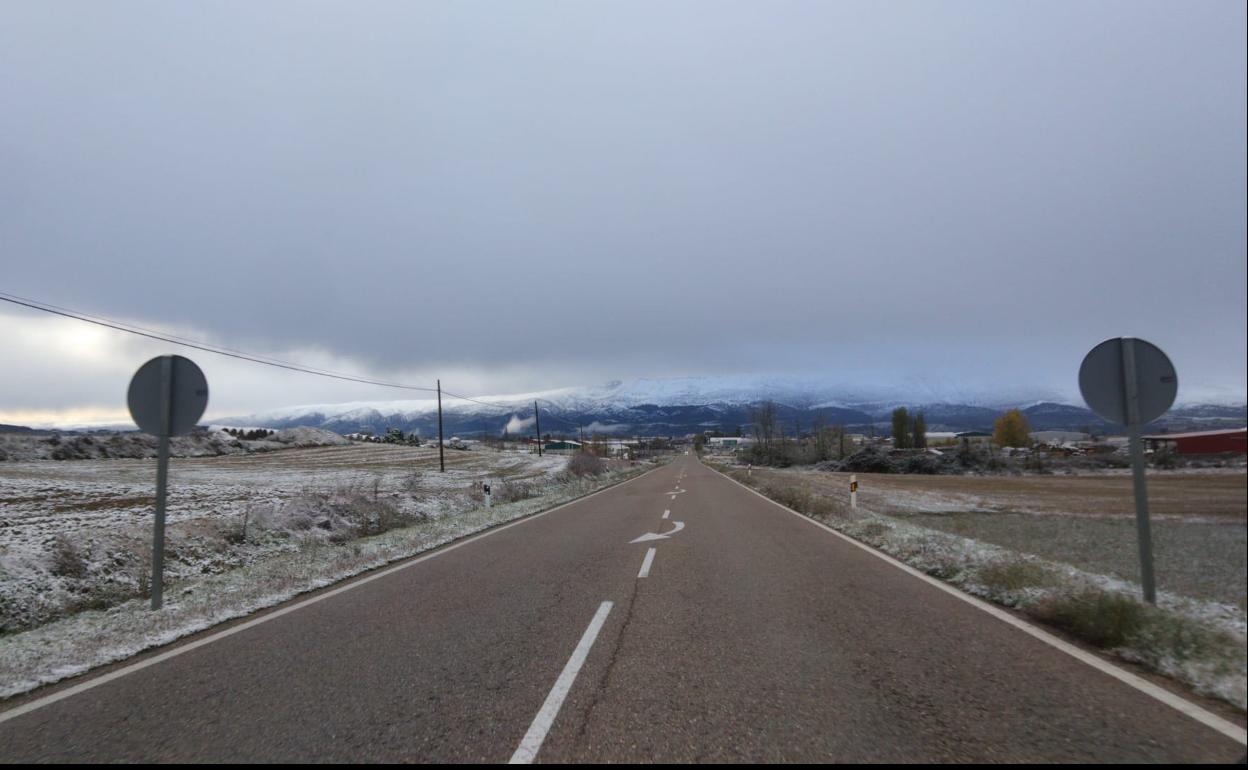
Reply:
x=526, y=752
x=1205, y=717
x=645, y=564
x=69, y=692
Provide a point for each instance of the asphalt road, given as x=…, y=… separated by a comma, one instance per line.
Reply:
x=755, y=636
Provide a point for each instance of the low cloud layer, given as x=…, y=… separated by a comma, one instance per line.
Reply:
x=515, y=198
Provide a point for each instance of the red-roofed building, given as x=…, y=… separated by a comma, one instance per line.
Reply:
x=1206, y=442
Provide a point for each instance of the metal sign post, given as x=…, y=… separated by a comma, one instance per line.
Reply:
x=1132, y=382
x=167, y=397
x=162, y=479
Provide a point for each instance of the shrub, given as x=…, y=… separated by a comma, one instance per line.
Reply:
x=797, y=498
x=1103, y=618
x=339, y=515
x=922, y=463
x=1165, y=458
x=585, y=464
x=872, y=531
x=67, y=560
x=1001, y=577
x=512, y=491
x=867, y=460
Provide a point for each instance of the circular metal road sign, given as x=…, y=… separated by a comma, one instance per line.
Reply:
x=188, y=395
x=1103, y=379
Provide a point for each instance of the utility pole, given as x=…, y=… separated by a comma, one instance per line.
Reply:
x=441, y=459
x=537, y=419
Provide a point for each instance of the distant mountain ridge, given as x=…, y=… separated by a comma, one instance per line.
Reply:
x=681, y=406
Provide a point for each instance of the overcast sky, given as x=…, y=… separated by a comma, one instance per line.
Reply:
x=531, y=195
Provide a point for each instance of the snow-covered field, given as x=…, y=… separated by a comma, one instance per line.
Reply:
x=42, y=500
x=245, y=532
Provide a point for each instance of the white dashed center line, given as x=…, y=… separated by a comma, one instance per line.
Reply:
x=532, y=741
x=645, y=564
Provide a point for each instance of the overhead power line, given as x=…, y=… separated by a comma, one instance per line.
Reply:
x=199, y=345
x=256, y=358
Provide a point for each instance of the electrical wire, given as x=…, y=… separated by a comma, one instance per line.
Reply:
x=220, y=350
x=204, y=346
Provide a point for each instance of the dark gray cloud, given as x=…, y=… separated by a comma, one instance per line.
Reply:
x=639, y=189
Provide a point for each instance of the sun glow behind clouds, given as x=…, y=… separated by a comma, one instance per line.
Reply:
x=59, y=372
x=85, y=417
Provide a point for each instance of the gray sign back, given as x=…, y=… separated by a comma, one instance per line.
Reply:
x=1102, y=381
x=189, y=391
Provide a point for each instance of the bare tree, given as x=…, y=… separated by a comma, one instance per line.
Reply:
x=766, y=424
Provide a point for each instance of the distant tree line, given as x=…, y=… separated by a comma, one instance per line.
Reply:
x=775, y=447
x=397, y=436
x=250, y=435
x=909, y=432
x=772, y=446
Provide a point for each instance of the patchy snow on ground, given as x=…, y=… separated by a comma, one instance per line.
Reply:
x=76, y=535
x=925, y=501
x=298, y=539
x=967, y=563
x=19, y=447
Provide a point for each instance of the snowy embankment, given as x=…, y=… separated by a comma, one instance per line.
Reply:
x=1203, y=644
x=317, y=543
x=18, y=447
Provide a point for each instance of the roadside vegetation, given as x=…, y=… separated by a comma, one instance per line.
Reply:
x=77, y=597
x=908, y=449
x=1190, y=635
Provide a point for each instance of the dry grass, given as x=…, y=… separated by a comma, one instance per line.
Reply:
x=1200, y=535
x=105, y=504
x=76, y=535
x=1182, y=495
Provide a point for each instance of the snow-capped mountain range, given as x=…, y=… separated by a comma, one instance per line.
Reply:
x=678, y=406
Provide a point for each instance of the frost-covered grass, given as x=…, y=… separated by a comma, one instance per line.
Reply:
x=76, y=534
x=1201, y=559
x=1194, y=640
x=1200, y=523
x=312, y=556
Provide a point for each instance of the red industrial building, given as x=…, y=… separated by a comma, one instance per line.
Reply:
x=1205, y=442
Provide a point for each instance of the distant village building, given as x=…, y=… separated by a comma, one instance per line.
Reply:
x=1060, y=437
x=620, y=447
x=727, y=444
x=973, y=437
x=1206, y=442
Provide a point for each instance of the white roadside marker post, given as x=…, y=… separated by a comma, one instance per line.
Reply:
x=853, y=490
x=489, y=503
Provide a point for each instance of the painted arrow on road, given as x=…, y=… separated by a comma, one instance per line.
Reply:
x=656, y=536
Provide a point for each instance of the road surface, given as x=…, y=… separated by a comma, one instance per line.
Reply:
x=676, y=617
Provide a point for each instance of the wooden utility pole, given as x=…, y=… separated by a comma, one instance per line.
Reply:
x=441, y=459
x=537, y=419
